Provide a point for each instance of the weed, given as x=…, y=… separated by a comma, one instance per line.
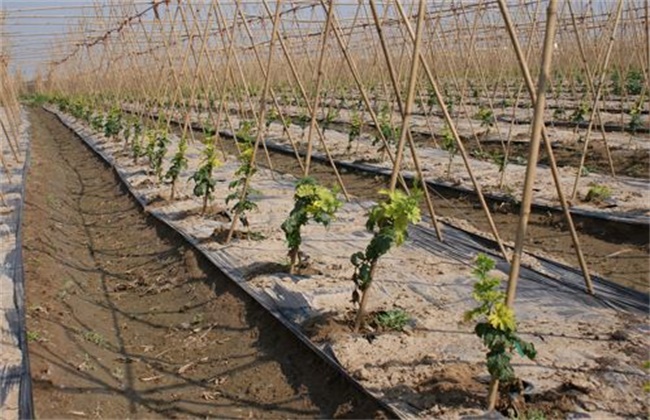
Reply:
x=533, y=414
x=394, y=319
x=598, y=193
x=33, y=336
x=94, y=337
x=559, y=113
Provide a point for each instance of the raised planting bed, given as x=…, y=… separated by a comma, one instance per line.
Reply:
x=627, y=201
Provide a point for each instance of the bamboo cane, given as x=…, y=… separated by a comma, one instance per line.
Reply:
x=533, y=154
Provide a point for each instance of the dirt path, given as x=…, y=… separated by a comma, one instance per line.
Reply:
x=125, y=320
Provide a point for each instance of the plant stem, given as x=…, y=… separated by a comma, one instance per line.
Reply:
x=205, y=205
x=361, y=313
x=293, y=254
x=493, y=394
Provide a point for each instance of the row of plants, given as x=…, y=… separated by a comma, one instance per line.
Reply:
x=620, y=83
x=388, y=221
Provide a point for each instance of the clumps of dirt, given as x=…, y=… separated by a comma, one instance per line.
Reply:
x=220, y=234
x=212, y=212
x=261, y=268
x=325, y=327
x=444, y=390
x=554, y=403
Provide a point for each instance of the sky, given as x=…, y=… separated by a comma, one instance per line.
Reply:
x=31, y=27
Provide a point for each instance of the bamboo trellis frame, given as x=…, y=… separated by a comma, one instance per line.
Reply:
x=180, y=58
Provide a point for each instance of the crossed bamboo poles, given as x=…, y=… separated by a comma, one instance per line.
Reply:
x=246, y=49
x=170, y=44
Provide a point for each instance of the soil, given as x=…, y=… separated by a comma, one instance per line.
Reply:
x=125, y=320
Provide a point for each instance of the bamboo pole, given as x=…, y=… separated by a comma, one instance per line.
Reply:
x=592, y=90
x=262, y=116
x=404, y=112
x=603, y=74
x=274, y=98
x=461, y=147
x=362, y=90
x=319, y=82
x=410, y=97
x=549, y=150
x=531, y=168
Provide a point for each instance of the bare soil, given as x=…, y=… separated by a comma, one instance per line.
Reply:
x=125, y=320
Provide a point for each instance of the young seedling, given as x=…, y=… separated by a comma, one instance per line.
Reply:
x=303, y=121
x=634, y=82
x=598, y=193
x=271, y=117
x=617, y=85
x=496, y=325
x=499, y=159
x=487, y=118
x=330, y=117
x=137, y=149
x=356, y=125
x=448, y=144
x=97, y=122
x=311, y=202
x=240, y=194
x=580, y=112
x=432, y=99
x=390, y=133
x=157, y=142
x=178, y=164
x=113, y=123
x=389, y=220
x=394, y=319
x=204, y=184
x=245, y=131
x=635, y=119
